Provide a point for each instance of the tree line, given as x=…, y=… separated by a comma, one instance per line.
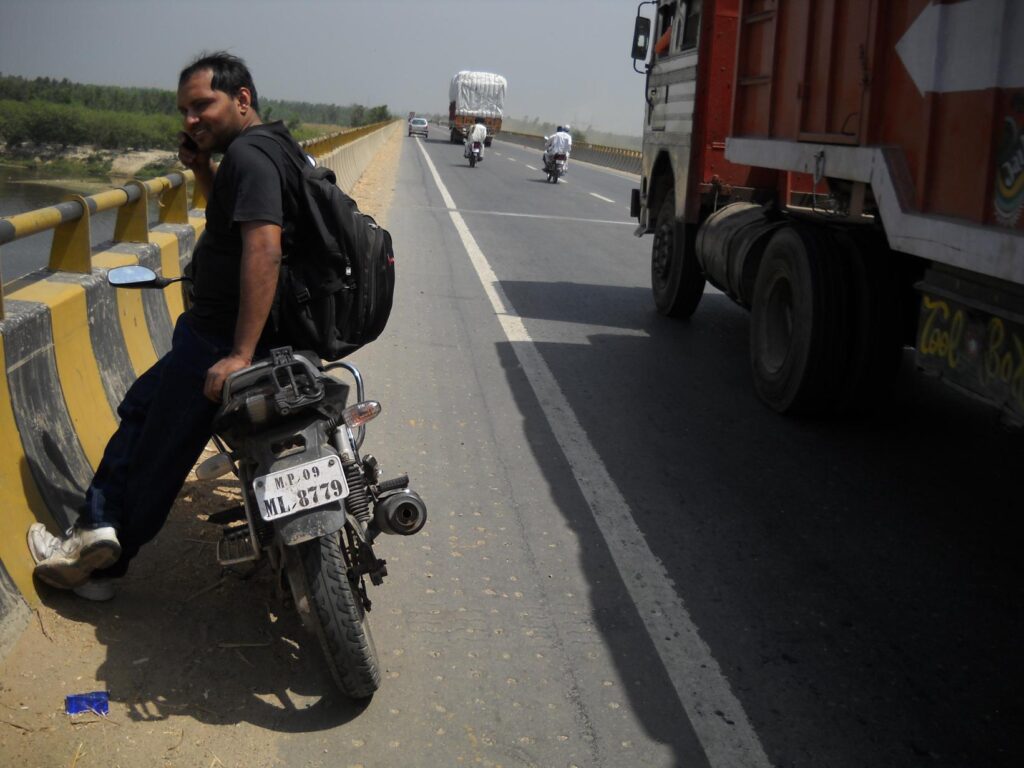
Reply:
x=47, y=110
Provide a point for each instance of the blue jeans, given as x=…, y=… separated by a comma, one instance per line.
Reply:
x=165, y=423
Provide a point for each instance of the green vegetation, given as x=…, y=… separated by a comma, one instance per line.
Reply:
x=41, y=122
x=95, y=166
x=49, y=111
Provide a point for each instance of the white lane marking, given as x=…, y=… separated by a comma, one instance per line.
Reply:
x=510, y=159
x=535, y=216
x=532, y=168
x=718, y=719
x=602, y=197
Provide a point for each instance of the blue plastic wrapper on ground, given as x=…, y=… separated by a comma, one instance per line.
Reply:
x=97, y=702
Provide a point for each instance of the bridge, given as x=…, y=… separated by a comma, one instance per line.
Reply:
x=629, y=561
x=71, y=346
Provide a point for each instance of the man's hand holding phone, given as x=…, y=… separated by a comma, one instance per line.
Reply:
x=198, y=161
x=191, y=156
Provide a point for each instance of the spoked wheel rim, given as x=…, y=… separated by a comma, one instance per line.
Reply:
x=661, y=256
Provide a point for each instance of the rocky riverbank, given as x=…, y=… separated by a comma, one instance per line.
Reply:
x=58, y=163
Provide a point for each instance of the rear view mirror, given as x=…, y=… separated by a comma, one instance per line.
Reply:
x=641, y=38
x=135, y=276
x=131, y=276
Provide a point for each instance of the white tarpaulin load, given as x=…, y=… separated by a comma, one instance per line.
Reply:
x=479, y=94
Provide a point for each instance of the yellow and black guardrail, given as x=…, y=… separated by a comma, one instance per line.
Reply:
x=70, y=346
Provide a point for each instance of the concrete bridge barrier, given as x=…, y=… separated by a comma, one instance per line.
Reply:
x=70, y=346
x=348, y=154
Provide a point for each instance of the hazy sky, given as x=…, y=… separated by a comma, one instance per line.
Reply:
x=565, y=60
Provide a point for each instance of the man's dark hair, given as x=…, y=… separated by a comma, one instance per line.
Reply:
x=229, y=74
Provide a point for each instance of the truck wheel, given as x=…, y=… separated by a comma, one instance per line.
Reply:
x=876, y=350
x=676, y=279
x=338, y=617
x=799, y=321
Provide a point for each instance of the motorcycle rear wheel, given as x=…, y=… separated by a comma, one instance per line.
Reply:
x=338, y=617
x=472, y=161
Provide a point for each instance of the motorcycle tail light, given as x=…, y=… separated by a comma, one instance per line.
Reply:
x=360, y=413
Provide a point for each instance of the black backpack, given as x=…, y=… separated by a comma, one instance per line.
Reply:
x=338, y=275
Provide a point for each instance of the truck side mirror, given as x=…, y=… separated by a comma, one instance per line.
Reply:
x=641, y=38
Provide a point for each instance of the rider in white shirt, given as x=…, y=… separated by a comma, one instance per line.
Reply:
x=559, y=143
x=477, y=133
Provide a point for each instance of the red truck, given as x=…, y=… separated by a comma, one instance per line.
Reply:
x=850, y=171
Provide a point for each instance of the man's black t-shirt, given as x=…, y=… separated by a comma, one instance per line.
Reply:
x=247, y=187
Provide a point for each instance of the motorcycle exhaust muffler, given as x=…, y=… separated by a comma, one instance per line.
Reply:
x=401, y=513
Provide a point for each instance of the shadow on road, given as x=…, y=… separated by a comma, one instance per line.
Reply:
x=186, y=638
x=858, y=580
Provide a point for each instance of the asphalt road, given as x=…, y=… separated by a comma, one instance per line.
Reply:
x=629, y=560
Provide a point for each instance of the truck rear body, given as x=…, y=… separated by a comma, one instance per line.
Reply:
x=473, y=95
x=905, y=116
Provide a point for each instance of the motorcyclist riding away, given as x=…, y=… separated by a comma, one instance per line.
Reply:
x=559, y=143
x=477, y=133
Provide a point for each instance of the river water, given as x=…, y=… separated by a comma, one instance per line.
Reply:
x=17, y=195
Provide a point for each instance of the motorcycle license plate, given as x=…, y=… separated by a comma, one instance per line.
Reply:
x=300, y=488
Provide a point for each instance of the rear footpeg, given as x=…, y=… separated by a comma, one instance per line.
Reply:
x=236, y=546
x=226, y=516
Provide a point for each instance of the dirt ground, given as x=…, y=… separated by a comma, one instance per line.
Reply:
x=177, y=666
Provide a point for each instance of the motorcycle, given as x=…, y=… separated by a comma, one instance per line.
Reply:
x=313, y=505
x=555, y=167
x=474, y=152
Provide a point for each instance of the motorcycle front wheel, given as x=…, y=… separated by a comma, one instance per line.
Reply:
x=338, y=617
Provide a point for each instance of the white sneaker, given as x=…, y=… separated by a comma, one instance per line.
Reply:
x=67, y=564
x=41, y=543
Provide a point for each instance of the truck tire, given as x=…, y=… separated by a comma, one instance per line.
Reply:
x=338, y=617
x=676, y=280
x=876, y=348
x=800, y=322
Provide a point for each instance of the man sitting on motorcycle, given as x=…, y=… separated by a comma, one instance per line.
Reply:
x=167, y=415
x=559, y=143
x=477, y=133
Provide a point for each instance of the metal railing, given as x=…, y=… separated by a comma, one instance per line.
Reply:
x=71, y=249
